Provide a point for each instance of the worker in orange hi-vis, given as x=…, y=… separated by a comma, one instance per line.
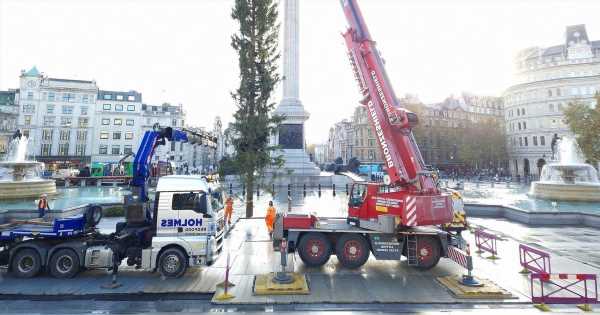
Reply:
x=228, y=209
x=270, y=218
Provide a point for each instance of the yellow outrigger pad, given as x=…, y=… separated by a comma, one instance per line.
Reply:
x=264, y=285
x=489, y=290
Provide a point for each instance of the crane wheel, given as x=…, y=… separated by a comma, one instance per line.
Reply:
x=428, y=252
x=64, y=264
x=352, y=250
x=314, y=249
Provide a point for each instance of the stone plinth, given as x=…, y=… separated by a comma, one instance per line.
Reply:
x=26, y=189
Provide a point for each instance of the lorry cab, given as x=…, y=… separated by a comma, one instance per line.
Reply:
x=189, y=213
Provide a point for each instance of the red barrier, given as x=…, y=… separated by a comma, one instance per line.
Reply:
x=562, y=288
x=486, y=242
x=534, y=260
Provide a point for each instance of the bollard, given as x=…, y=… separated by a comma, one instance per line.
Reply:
x=82, y=183
x=230, y=189
x=492, y=184
x=257, y=191
x=289, y=190
x=225, y=284
x=244, y=188
x=304, y=190
x=273, y=188
x=334, y=190
x=319, y=190
x=346, y=189
x=67, y=184
x=289, y=205
x=282, y=277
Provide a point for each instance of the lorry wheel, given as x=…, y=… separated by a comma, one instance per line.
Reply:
x=26, y=263
x=172, y=263
x=352, y=250
x=314, y=249
x=64, y=264
x=428, y=252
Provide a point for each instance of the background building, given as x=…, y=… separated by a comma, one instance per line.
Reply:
x=166, y=115
x=9, y=113
x=546, y=81
x=340, y=144
x=57, y=115
x=118, y=125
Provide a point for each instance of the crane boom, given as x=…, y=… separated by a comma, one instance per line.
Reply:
x=392, y=123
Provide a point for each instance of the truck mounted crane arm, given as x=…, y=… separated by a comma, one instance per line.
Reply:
x=152, y=139
x=392, y=123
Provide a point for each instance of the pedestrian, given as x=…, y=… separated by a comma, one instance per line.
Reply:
x=270, y=218
x=43, y=206
x=228, y=209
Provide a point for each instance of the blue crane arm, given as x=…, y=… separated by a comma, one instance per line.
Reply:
x=151, y=140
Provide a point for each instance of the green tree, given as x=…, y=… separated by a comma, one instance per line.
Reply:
x=584, y=122
x=256, y=45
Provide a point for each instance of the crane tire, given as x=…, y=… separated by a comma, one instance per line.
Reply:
x=314, y=249
x=352, y=250
x=428, y=252
x=172, y=263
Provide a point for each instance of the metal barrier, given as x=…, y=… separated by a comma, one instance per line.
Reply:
x=465, y=260
x=486, y=242
x=563, y=291
x=533, y=260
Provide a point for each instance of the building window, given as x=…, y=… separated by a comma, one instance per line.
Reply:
x=68, y=97
x=535, y=140
x=115, y=150
x=107, y=96
x=520, y=141
x=29, y=95
x=46, y=149
x=542, y=140
x=105, y=121
x=49, y=109
x=549, y=93
x=119, y=97
x=174, y=122
x=558, y=92
x=522, y=111
x=131, y=98
x=67, y=110
x=49, y=120
x=29, y=108
x=66, y=121
x=81, y=135
x=148, y=121
x=103, y=149
x=128, y=135
x=117, y=135
x=118, y=121
x=131, y=108
x=63, y=149
x=118, y=107
x=51, y=96
x=526, y=144
x=524, y=125
x=127, y=149
x=104, y=135
x=64, y=135
x=559, y=106
x=519, y=124
x=47, y=134
x=85, y=99
x=83, y=122
x=80, y=149
x=551, y=107
x=106, y=106
x=84, y=110
x=129, y=122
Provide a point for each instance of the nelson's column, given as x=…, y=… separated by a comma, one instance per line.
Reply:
x=291, y=132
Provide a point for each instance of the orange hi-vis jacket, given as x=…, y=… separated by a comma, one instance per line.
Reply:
x=229, y=205
x=270, y=218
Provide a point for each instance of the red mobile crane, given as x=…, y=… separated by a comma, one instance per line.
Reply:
x=403, y=216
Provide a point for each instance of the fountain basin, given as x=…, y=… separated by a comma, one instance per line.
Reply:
x=26, y=189
x=565, y=192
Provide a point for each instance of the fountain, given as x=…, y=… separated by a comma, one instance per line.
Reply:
x=569, y=179
x=19, y=177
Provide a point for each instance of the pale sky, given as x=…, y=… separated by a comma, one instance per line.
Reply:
x=179, y=50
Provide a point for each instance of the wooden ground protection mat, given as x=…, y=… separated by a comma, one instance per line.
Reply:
x=264, y=285
x=489, y=290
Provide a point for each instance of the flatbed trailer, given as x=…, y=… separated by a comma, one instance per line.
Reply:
x=56, y=229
